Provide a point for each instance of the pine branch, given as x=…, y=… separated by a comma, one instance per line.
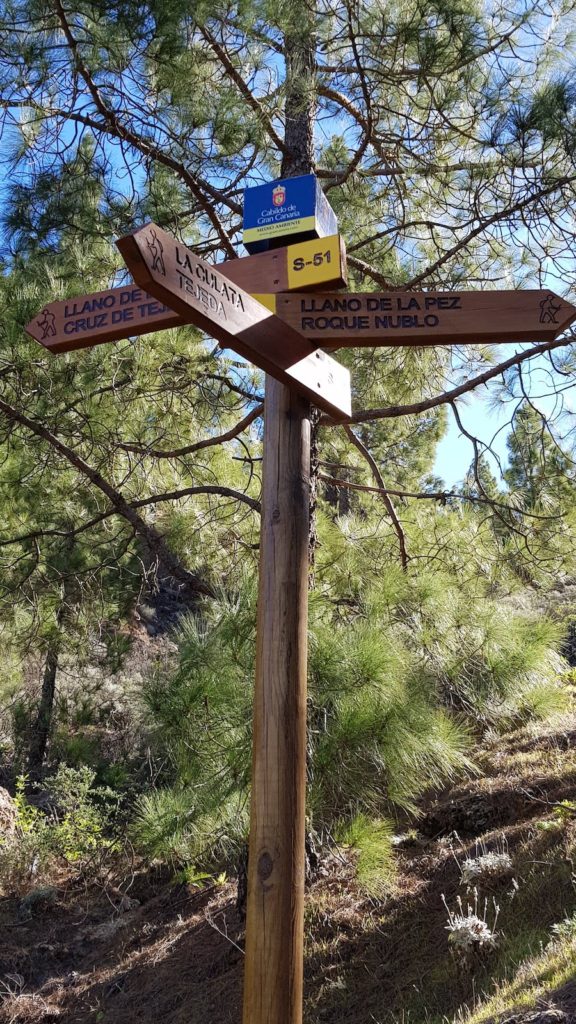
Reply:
x=443, y=497
x=152, y=499
x=447, y=397
x=154, y=541
x=507, y=212
x=369, y=271
x=122, y=132
x=208, y=442
x=383, y=492
x=244, y=89
x=185, y=492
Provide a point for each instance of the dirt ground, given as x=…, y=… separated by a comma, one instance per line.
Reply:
x=138, y=948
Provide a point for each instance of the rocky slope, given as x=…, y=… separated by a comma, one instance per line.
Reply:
x=134, y=947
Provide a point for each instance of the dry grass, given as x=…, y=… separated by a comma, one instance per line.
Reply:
x=177, y=957
x=545, y=980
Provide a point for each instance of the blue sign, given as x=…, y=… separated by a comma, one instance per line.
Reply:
x=292, y=209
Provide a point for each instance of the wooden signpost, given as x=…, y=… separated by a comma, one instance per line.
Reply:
x=340, y=320
x=283, y=334
x=102, y=316
x=123, y=312
x=208, y=299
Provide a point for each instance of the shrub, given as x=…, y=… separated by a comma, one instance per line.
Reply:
x=168, y=825
x=83, y=820
x=468, y=928
x=487, y=867
x=402, y=671
x=565, y=929
x=77, y=831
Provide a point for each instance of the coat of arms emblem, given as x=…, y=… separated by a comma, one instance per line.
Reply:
x=279, y=195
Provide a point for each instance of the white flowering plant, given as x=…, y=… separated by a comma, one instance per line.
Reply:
x=487, y=867
x=468, y=927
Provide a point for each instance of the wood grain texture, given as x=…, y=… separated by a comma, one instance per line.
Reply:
x=352, y=319
x=128, y=311
x=204, y=296
x=275, y=916
x=100, y=317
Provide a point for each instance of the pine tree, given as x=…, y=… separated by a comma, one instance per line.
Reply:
x=432, y=147
x=539, y=469
x=445, y=143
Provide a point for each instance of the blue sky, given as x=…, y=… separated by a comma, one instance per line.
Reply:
x=489, y=421
x=455, y=453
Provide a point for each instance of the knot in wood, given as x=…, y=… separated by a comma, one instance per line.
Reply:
x=265, y=866
x=276, y=515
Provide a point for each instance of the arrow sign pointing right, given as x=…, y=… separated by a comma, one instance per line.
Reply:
x=204, y=296
x=424, y=318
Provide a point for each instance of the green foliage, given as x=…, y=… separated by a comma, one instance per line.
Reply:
x=450, y=164
x=78, y=830
x=372, y=840
x=565, y=810
x=565, y=930
x=539, y=469
x=191, y=876
x=171, y=825
x=543, y=700
x=84, y=812
x=402, y=671
x=378, y=734
x=28, y=815
x=163, y=824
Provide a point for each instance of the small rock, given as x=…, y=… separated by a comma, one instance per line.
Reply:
x=126, y=904
x=8, y=813
x=550, y=1016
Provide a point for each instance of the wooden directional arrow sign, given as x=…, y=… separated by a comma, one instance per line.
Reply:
x=423, y=318
x=203, y=296
x=99, y=317
x=123, y=312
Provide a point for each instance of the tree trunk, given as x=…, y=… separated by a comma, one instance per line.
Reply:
x=300, y=105
x=43, y=724
x=300, y=109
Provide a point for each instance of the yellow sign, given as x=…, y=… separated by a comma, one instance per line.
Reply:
x=293, y=227
x=313, y=262
x=267, y=300
x=307, y=265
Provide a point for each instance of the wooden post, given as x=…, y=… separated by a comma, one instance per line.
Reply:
x=275, y=914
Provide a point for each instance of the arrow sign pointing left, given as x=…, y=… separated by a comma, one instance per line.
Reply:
x=124, y=312
x=102, y=316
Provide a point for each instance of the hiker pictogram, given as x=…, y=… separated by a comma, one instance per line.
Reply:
x=157, y=252
x=549, y=309
x=47, y=324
